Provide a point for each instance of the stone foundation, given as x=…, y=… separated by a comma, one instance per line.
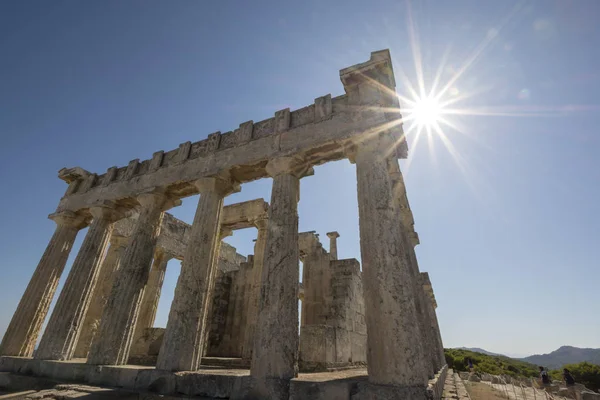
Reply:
x=207, y=382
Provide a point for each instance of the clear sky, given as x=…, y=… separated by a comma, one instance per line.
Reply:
x=505, y=200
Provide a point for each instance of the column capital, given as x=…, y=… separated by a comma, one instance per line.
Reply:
x=333, y=235
x=222, y=185
x=157, y=198
x=107, y=211
x=225, y=232
x=69, y=218
x=162, y=252
x=378, y=144
x=261, y=223
x=295, y=166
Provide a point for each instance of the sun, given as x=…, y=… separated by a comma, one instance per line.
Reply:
x=426, y=112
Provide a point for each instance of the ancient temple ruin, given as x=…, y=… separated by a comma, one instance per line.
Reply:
x=379, y=313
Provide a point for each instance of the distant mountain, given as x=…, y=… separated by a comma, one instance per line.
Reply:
x=565, y=355
x=479, y=350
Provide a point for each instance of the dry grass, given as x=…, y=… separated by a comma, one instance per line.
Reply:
x=481, y=391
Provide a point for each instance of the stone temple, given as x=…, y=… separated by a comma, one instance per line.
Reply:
x=366, y=331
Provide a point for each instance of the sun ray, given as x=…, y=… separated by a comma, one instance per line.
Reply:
x=415, y=47
x=485, y=43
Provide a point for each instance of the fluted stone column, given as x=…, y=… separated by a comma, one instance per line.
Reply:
x=149, y=305
x=333, y=253
x=433, y=321
x=24, y=328
x=256, y=283
x=394, y=351
x=412, y=240
x=120, y=314
x=183, y=344
x=275, y=354
x=223, y=233
x=108, y=271
x=66, y=321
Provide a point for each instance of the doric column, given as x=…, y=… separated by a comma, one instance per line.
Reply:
x=151, y=297
x=117, y=326
x=223, y=233
x=394, y=350
x=411, y=241
x=275, y=354
x=109, y=268
x=255, y=285
x=64, y=326
x=333, y=253
x=435, y=327
x=183, y=343
x=24, y=328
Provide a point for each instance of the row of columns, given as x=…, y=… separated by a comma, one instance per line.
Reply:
x=394, y=300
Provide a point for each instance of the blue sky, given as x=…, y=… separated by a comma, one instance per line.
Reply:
x=507, y=212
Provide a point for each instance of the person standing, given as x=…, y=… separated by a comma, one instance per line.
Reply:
x=545, y=378
x=569, y=382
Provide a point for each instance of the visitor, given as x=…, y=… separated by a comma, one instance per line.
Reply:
x=570, y=382
x=545, y=378
x=470, y=364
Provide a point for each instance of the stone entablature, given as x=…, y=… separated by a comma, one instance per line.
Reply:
x=316, y=134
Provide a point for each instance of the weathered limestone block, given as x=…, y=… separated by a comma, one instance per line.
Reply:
x=323, y=107
x=147, y=344
x=347, y=312
x=24, y=328
x=316, y=277
x=282, y=120
x=214, y=139
x=110, y=176
x=218, y=315
x=120, y=313
x=244, y=132
x=317, y=347
x=64, y=326
x=184, y=151
x=132, y=168
x=100, y=295
x=181, y=350
x=156, y=161
x=228, y=313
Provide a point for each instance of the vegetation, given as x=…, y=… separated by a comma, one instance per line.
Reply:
x=586, y=373
x=495, y=365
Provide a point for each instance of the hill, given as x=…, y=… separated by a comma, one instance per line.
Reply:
x=491, y=364
x=479, y=350
x=565, y=355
